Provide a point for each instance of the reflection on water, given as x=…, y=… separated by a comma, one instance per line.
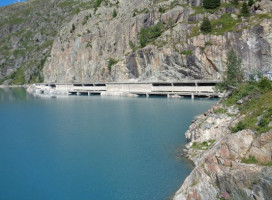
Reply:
x=14, y=94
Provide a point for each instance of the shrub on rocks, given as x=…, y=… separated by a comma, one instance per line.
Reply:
x=148, y=35
x=114, y=13
x=244, y=10
x=206, y=26
x=211, y=4
x=250, y=2
x=235, y=2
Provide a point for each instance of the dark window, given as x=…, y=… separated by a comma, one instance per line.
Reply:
x=100, y=85
x=161, y=84
x=206, y=84
x=184, y=84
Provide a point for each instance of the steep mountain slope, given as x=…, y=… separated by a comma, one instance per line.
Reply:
x=143, y=40
x=27, y=32
x=104, y=47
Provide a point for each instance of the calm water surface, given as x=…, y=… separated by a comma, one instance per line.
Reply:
x=93, y=148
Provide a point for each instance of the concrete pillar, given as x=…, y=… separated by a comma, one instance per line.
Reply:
x=168, y=95
x=193, y=96
x=78, y=93
x=147, y=95
x=89, y=93
x=196, y=85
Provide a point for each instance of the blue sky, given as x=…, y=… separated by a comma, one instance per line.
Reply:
x=7, y=2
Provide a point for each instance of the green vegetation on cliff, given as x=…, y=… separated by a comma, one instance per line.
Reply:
x=210, y=4
x=111, y=62
x=27, y=31
x=254, y=100
x=234, y=75
x=206, y=26
x=148, y=35
x=244, y=10
x=203, y=146
x=253, y=97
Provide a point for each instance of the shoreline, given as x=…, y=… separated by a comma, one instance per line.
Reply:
x=218, y=154
x=169, y=90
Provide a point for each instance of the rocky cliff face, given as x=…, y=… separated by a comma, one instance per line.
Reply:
x=221, y=170
x=181, y=51
x=93, y=40
x=27, y=32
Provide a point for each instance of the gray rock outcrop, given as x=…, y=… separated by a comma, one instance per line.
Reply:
x=68, y=41
x=219, y=170
x=83, y=55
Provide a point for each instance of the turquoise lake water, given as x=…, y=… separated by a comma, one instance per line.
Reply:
x=93, y=148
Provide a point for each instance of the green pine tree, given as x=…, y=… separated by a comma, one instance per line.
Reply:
x=244, y=10
x=234, y=75
x=250, y=2
x=235, y=2
x=211, y=4
x=114, y=13
x=206, y=26
x=73, y=28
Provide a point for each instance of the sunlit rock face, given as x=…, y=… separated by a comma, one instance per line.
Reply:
x=82, y=53
x=219, y=170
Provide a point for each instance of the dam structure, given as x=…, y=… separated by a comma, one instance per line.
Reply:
x=192, y=88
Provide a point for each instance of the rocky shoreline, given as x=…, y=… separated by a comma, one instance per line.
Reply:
x=218, y=155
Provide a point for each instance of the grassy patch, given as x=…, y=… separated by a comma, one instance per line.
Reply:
x=224, y=24
x=132, y=45
x=186, y=52
x=66, y=4
x=19, y=53
x=195, y=31
x=220, y=111
x=85, y=19
x=201, y=10
x=16, y=20
x=240, y=126
x=227, y=5
x=111, y=62
x=160, y=43
x=147, y=35
x=243, y=91
x=203, y=146
x=162, y=9
x=18, y=77
x=250, y=160
x=263, y=16
x=174, y=4
x=219, y=26
x=257, y=97
x=138, y=12
x=253, y=160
